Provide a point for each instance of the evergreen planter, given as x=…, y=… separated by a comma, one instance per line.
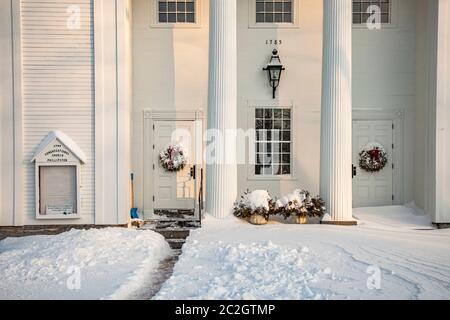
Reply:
x=257, y=220
x=255, y=207
x=301, y=206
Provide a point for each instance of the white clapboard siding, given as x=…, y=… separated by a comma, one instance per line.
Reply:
x=58, y=86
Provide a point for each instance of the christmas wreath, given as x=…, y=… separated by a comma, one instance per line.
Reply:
x=373, y=158
x=173, y=158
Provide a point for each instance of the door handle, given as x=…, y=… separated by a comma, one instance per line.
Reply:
x=193, y=172
x=353, y=171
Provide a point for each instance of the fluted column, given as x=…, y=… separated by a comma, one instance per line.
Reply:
x=221, y=170
x=336, y=127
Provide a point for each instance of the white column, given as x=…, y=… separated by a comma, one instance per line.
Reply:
x=336, y=127
x=440, y=125
x=221, y=170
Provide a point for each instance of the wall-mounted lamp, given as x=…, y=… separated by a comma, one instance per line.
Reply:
x=274, y=69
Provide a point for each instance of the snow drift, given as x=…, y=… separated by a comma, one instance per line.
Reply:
x=80, y=264
x=393, y=254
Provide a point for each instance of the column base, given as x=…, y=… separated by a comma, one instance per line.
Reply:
x=442, y=225
x=340, y=223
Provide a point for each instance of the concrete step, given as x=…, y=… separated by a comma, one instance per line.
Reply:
x=176, y=244
x=173, y=233
x=172, y=224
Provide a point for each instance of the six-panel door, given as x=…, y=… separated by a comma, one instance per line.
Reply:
x=174, y=190
x=372, y=189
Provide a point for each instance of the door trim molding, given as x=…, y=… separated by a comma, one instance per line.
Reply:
x=150, y=116
x=397, y=116
x=189, y=115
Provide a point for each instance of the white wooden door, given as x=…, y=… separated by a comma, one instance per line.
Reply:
x=373, y=189
x=174, y=190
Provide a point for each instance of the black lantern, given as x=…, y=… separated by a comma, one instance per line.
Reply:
x=274, y=69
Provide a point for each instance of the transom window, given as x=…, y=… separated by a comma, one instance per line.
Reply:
x=273, y=141
x=361, y=14
x=180, y=11
x=274, y=11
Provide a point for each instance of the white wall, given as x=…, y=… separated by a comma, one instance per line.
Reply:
x=426, y=65
x=301, y=54
x=432, y=185
x=6, y=117
x=56, y=69
x=170, y=72
x=384, y=77
x=57, y=91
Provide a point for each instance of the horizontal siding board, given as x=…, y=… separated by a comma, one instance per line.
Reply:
x=58, y=86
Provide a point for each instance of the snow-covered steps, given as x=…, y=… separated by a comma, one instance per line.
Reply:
x=176, y=244
x=174, y=237
x=173, y=224
x=175, y=232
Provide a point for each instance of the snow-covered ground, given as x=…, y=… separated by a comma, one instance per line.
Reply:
x=109, y=263
x=394, y=253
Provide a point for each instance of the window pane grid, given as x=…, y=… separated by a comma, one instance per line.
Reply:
x=273, y=141
x=179, y=11
x=361, y=16
x=270, y=11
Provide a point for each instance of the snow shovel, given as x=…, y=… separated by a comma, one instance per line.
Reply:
x=134, y=211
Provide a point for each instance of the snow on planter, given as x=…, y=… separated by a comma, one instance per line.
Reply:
x=258, y=199
x=80, y=264
x=255, y=206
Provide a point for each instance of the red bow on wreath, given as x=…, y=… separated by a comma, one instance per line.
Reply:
x=374, y=154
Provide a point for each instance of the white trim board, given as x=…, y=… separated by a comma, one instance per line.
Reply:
x=18, y=115
x=111, y=102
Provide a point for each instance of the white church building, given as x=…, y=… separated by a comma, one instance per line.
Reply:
x=93, y=91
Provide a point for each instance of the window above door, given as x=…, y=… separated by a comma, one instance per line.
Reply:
x=273, y=13
x=175, y=13
x=180, y=11
x=363, y=10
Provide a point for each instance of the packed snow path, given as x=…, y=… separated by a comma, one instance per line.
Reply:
x=392, y=254
x=111, y=263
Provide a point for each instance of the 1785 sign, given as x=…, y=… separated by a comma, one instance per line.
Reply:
x=274, y=42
